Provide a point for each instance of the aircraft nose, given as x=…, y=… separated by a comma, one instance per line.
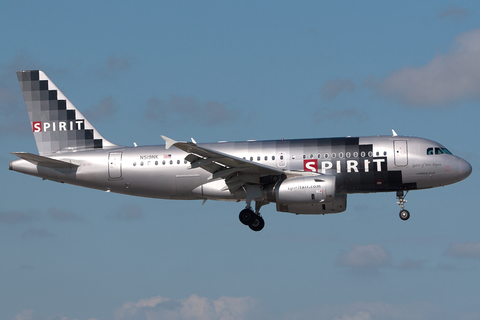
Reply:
x=464, y=169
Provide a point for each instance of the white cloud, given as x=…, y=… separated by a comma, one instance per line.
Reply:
x=14, y=217
x=193, y=308
x=24, y=315
x=454, y=13
x=446, y=80
x=181, y=109
x=327, y=114
x=367, y=258
x=360, y=315
x=464, y=250
x=28, y=315
x=378, y=310
x=102, y=111
x=410, y=264
x=115, y=63
x=115, y=66
x=128, y=212
x=63, y=215
x=37, y=233
x=333, y=88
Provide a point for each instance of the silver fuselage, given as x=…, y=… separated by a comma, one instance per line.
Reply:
x=360, y=165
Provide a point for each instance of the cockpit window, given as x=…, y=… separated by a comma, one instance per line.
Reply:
x=431, y=151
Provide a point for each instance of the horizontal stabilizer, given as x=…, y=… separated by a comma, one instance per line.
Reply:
x=44, y=161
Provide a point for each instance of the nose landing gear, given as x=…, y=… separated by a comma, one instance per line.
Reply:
x=404, y=214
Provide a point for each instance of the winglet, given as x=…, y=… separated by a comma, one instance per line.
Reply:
x=394, y=133
x=168, y=142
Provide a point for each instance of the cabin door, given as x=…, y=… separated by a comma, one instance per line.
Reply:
x=400, y=153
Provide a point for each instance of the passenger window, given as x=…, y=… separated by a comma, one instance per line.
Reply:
x=281, y=157
x=378, y=153
x=355, y=154
x=258, y=158
x=178, y=161
x=370, y=154
x=384, y=153
x=163, y=162
x=134, y=164
x=348, y=154
x=251, y=158
x=273, y=157
x=156, y=163
x=293, y=157
x=171, y=162
x=340, y=154
x=266, y=158
x=304, y=156
x=311, y=156
x=334, y=155
x=429, y=151
x=362, y=154
x=326, y=155
x=319, y=156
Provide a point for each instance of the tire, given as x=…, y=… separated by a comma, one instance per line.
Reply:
x=246, y=216
x=404, y=215
x=257, y=224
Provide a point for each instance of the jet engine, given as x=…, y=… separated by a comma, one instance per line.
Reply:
x=308, y=195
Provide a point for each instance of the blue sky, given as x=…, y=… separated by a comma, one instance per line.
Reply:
x=237, y=71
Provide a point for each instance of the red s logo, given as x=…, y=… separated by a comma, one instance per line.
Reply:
x=310, y=165
x=37, y=126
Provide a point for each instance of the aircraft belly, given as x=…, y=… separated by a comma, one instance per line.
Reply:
x=162, y=183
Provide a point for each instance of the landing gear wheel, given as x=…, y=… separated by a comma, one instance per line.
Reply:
x=246, y=216
x=257, y=224
x=404, y=215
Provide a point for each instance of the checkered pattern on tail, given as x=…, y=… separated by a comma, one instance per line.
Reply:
x=56, y=124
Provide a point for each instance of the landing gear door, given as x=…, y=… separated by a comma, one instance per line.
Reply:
x=281, y=159
x=115, y=165
x=400, y=153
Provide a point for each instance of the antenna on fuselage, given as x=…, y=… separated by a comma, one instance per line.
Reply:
x=394, y=133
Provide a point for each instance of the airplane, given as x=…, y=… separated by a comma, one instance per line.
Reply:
x=303, y=176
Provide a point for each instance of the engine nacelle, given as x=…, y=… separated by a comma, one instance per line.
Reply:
x=309, y=195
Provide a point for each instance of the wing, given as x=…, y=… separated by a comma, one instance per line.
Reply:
x=236, y=171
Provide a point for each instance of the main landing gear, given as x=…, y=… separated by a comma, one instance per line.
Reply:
x=251, y=219
x=247, y=216
x=404, y=214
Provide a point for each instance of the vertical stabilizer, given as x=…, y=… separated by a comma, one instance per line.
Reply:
x=56, y=124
